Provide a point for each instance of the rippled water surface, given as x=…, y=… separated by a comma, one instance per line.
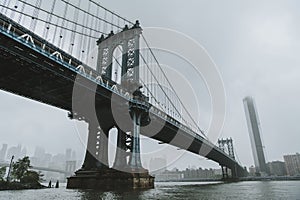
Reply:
x=192, y=190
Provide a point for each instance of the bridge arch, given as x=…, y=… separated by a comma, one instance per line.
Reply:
x=128, y=39
x=117, y=60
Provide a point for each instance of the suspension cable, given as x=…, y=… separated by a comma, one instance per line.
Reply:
x=50, y=23
x=85, y=26
x=52, y=14
x=172, y=86
x=113, y=13
x=104, y=20
x=161, y=86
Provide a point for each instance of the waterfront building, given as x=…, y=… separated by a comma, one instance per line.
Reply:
x=252, y=170
x=292, y=163
x=277, y=168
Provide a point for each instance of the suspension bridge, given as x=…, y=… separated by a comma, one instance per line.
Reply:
x=47, y=169
x=97, y=65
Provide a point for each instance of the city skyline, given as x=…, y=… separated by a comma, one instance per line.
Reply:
x=53, y=128
x=152, y=165
x=19, y=151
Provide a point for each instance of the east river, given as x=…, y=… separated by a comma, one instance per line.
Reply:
x=172, y=190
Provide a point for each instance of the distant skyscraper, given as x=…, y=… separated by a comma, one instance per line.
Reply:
x=255, y=138
x=23, y=152
x=3, y=151
x=14, y=151
x=39, y=152
x=68, y=154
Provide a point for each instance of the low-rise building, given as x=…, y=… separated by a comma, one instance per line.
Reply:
x=292, y=163
x=277, y=168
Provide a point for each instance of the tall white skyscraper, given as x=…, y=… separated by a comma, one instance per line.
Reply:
x=254, y=133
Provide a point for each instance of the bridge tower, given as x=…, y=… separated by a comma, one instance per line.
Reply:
x=123, y=72
x=227, y=145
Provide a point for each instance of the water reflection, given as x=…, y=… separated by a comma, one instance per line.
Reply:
x=118, y=194
x=169, y=191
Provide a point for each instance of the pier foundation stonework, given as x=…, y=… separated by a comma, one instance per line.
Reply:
x=110, y=179
x=95, y=174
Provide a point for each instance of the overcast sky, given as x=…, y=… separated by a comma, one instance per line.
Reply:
x=255, y=45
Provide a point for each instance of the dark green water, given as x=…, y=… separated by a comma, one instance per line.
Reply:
x=194, y=190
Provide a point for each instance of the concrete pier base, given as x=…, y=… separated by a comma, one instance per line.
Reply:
x=107, y=179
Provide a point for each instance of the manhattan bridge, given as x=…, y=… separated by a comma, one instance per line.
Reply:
x=79, y=56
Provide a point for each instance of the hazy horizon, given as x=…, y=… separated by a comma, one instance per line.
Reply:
x=255, y=46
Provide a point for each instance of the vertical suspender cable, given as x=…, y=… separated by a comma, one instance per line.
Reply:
x=49, y=18
x=163, y=73
x=81, y=50
x=4, y=5
x=105, y=24
x=12, y=14
x=112, y=22
x=90, y=35
x=74, y=28
x=62, y=25
x=35, y=15
x=55, y=30
x=22, y=10
x=99, y=22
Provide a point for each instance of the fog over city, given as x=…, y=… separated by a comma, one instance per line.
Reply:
x=255, y=46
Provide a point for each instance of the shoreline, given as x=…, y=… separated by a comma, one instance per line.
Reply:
x=268, y=178
x=20, y=186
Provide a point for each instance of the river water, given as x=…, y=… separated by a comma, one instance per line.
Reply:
x=172, y=190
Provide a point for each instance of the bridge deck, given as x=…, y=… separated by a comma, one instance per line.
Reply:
x=30, y=71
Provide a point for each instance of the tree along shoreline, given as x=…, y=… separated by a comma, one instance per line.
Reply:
x=20, y=177
x=4, y=185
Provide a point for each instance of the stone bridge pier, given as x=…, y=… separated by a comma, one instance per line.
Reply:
x=127, y=170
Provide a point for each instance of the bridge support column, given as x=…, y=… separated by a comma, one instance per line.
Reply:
x=96, y=156
x=95, y=173
x=120, y=159
x=234, y=173
x=224, y=172
x=135, y=162
x=95, y=162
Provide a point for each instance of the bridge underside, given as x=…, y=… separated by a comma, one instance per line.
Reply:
x=26, y=73
x=33, y=77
